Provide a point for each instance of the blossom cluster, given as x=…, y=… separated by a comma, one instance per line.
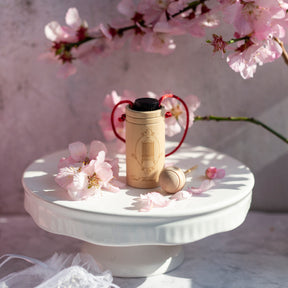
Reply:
x=151, y=26
x=175, y=114
x=85, y=173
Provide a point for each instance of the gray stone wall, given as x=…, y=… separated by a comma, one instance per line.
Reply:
x=40, y=113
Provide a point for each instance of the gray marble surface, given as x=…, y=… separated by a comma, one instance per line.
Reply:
x=255, y=255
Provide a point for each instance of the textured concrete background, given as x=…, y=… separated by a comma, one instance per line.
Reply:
x=40, y=113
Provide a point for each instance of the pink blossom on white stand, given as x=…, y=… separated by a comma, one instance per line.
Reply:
x=153, y=200
x=157, y=200
x=214, y=173
x=85, y=173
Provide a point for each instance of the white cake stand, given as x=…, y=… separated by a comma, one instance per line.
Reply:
x=132, y=243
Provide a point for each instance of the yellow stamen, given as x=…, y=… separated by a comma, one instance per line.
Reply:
x=176, y=111
x=93, y=181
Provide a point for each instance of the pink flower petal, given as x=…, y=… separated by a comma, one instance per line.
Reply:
x=205, y=185
x=172, y=127
x=105, y=29
x=114, y=166
x=112, y=99
x=220, y=173
x=214, y=173
x=101, y=157
x=80, y=181
x=73, y=19
x=95, y=148
x=211, y=172
x=127, y=8
x=66, y=162
x=78, y=151
x=89, y=169
x=117, y=183
x=104, y=172
x=65, y=176
x=181, y=195
x=106, y=127
x=53, y=30
x=112, y=188
x=153, y=200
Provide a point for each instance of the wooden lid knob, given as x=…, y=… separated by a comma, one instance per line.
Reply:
x=172, y=179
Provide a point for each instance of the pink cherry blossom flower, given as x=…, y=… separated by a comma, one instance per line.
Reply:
x=173, y=124
x=214, y=173
x=65, y=175
x=178, y=115
x=218, y=43
x=129, y=9
x=149, y=11
x=85, y=172
x=106, y=40
x=78, y=188
x=191, y=21
x=262, y=21
x=153, y=200
x=75, y=182
x=99, y=171
x=57, y=33
x=245, y=61
x=157, y=14
x=105, y=121
x=258, y=18
x=79, y=153
x=143, y=17
x=76, y=30
x=106, y=127
x=100, y=41
x=150, y=26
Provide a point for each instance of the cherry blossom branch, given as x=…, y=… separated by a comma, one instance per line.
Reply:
x=192, y=5
x=257, y=29
x=67, y=46
x=284, y=53
x=245, y=119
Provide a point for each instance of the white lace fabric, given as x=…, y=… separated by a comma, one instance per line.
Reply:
x=59, y=271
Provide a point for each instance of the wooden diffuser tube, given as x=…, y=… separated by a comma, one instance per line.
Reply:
x=145, y=147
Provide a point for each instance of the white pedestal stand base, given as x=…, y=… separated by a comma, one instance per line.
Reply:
x=136, y=261
x=113, y=220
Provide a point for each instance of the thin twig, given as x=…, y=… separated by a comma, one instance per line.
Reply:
x=284, y=51
x=245, y=119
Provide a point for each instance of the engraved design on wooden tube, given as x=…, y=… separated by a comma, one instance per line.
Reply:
x=145, y=147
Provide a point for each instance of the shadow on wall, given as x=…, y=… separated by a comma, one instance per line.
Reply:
x=268, y=190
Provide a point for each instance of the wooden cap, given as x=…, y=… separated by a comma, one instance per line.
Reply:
x=172, y=179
